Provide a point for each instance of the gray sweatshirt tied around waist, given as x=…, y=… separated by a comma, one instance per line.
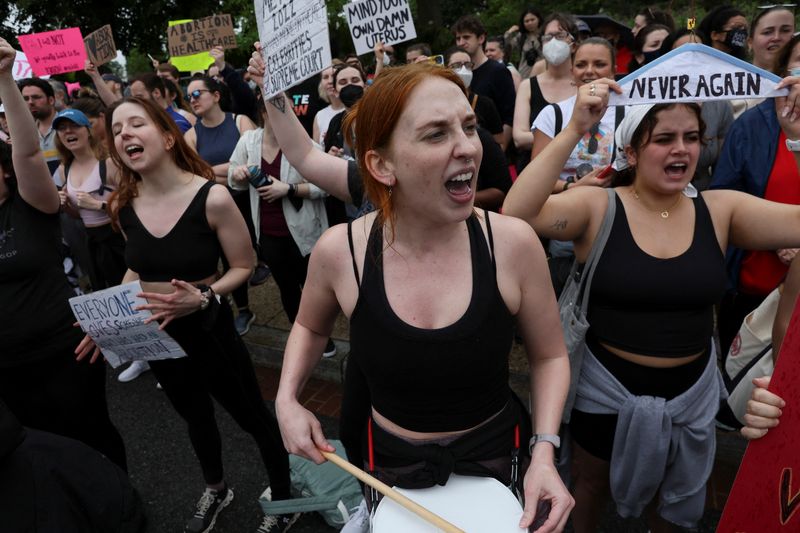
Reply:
x=658, y=444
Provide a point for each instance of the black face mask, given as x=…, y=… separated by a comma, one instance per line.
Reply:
x=650, y=56
x=350, y=94
x=737, y=41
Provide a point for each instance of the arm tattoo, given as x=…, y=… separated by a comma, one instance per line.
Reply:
x=279, y=102
x=560, y=224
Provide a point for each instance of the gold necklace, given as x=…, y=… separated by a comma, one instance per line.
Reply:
x=664, y=213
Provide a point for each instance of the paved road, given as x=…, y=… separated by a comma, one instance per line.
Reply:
x=164, y=469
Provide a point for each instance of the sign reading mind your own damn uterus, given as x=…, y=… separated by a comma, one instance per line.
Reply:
x=696, y=73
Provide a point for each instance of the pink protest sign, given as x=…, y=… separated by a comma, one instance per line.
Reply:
x=54, y=52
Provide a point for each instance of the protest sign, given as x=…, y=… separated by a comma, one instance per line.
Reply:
x=696, y=73
x=200, y=35
x=193, y=62
x=371, y=21
x=294, y=36
x=22, y=68
x=766, y=493
x=54, y=52
x=100, y=46
x=109, y=317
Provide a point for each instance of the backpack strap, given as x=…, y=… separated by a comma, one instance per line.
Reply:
x=474, y=100
x=103, y=171
x=619, y=114
x=559, y=116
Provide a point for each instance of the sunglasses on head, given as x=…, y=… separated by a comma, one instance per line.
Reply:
x=772, y=6
x=194, y=95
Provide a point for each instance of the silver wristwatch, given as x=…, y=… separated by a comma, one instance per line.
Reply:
x=555, y=440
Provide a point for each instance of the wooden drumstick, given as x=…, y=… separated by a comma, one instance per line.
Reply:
x=389, y=492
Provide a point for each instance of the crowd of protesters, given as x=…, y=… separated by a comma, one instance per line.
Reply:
x=383, y=203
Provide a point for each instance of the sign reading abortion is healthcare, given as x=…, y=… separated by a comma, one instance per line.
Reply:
x=695, y=73
x=387, y=21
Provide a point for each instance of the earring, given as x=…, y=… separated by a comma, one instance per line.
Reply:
x=390, y=191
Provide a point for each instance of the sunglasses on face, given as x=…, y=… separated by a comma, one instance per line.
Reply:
x=771, y=6
x=194, y=95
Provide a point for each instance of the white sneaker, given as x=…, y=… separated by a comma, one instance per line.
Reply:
x=359, y=520
x=136, y=369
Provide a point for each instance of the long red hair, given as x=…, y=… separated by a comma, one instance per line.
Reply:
x=369, y=125
x=182, y=154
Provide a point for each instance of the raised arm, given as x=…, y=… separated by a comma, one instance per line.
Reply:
x=561, y=216
x=324, y=170
x=34, y=183
x=105, y=94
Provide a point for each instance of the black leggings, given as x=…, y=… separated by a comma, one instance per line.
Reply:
x=218, y=365
x=242, y=201
x=65, y=397
x=288, y=268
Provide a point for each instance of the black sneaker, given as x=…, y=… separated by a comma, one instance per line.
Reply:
x=277, y=523
x=243, y=321
x=260, y=275
x=208, y=507
x=330, y=349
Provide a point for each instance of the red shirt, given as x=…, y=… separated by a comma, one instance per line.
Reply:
x=273, y=223
x=762, y=271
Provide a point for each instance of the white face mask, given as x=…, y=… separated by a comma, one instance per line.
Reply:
x=555, y=51
x=465, y=74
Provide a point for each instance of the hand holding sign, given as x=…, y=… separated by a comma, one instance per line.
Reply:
x=256, y=67
x=167, y=307
x=763, y=410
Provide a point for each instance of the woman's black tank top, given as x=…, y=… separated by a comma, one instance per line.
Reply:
x=430, y=380
x=189, y=252
x=663, y=307
x=538, y=101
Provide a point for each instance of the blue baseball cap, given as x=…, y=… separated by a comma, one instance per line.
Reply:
x=74, y=115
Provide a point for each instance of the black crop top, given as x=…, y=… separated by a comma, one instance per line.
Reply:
x=431, y=380
x=651, y=306
x=189, y=252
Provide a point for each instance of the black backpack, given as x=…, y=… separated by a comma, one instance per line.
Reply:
x=103, y=187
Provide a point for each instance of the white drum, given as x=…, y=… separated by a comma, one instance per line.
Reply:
x=473, y=504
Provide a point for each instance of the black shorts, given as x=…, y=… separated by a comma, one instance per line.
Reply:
x=595, y=432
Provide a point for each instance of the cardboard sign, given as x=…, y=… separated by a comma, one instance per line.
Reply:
x=54, y=52
x=294, y=37
x=696, y=73
x=201, y=35
x=109, y=317
x=194, y=62
x=22, y=68
x=370, y=21
x=100, y=46
x=766, y=494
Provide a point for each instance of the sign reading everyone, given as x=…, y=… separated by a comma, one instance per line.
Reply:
x=294, y=37
x=371, y=21
x=54, y=52
x=110, y=318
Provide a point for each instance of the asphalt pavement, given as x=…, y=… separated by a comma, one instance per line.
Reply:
x=163, y=468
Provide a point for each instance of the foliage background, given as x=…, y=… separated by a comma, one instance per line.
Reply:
x=140, y=25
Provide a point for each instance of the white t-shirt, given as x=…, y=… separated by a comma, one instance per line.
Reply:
x=546, y=123
x=323, y=118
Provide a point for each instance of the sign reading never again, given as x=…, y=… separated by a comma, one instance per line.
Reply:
x=295, y=41
x=200, y=35
x=696, y=73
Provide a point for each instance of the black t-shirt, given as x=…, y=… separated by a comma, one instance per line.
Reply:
x=35, y=319
x=494, y=165
x=493, y=80
x=486, y=111
x=306, y=102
